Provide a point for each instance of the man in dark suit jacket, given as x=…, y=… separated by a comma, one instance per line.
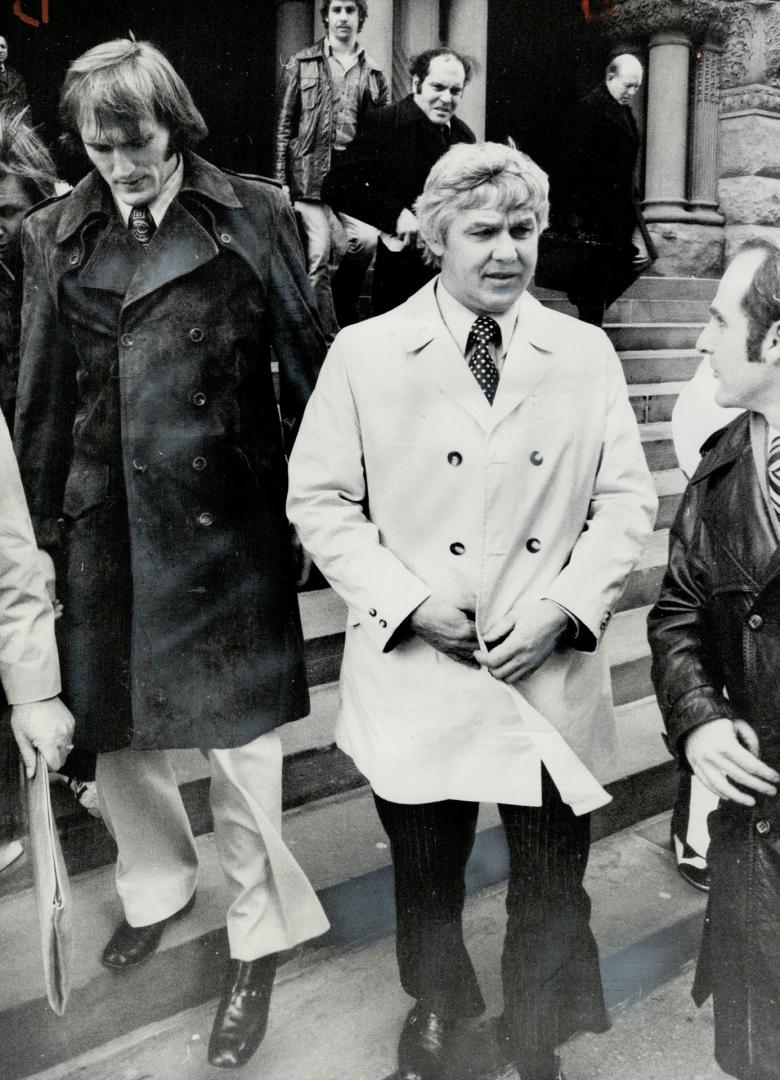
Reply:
x=382, y=172
x=598, y=185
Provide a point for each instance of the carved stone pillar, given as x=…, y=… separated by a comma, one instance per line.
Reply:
x=667, y=127
x=293, y=32
x=467, y=33
x=704, y=145
x=416, y=28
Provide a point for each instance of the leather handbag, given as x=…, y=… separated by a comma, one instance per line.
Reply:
x=52, y=890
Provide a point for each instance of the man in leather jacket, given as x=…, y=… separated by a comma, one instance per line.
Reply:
x=715, y=638
x=330, y=88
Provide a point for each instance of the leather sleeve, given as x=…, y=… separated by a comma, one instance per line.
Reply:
x=287, y=122
x=688, y=689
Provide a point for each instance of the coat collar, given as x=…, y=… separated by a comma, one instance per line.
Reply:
x=91, y=196
x=724, y=447
x=436, y=356
x=318, y=51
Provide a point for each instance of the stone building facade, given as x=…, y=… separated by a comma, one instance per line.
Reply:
x=710, y=114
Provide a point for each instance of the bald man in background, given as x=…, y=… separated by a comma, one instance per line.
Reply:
x=598, y=187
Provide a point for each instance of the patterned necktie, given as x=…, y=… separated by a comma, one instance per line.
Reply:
x=484, y=331
x=141, y=224
x=773, y=473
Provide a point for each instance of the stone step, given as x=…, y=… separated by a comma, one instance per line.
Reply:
x=647, y=923
x=658, y=446
x=629, y=656
x=670, y=484
x=644, y=583
x=659, y=365
x=651, y=287
x=653, y=402
x=645, y=335
x=642, y=311
x=342, y=848
x=629, y=310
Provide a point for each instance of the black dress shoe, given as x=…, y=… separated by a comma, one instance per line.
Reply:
x=242, y=1013
x=421, y=1046
x=129, y=945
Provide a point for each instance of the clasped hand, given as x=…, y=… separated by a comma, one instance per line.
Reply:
x=515, y=646
x=46, y=726
x=724, y=752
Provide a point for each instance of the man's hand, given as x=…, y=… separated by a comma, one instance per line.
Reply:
x=407, y=227
x=46, y=726
x=723, y=751
x=446, y=627
x=520, y=642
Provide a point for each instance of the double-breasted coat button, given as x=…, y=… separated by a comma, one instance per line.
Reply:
x=196, y=334
x=127, y=340
x=205, y=518
x=457, y=548
x=198, y=398
x=199, y=463
x=383, y=624
x=454, y=457
x=372, y=612
x=536, y=457
x=763, y=827
x=533, y=545
x=226, y=238
x=138, y=465
x=755, y=622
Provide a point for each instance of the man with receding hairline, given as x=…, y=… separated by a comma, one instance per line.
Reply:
x=715, y=639
x=597, y=185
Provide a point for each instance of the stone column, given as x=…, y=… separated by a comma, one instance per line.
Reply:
x=467, y=33
x=376, y=37
x=667, y=127
x=416, y=29
x=704, y=149
x=293, y=32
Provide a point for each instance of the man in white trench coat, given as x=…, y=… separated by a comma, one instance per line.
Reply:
x=469, y=477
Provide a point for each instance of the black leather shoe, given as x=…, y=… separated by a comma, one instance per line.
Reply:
x=421, y=1046
x=242, y=1013
x=129, y=945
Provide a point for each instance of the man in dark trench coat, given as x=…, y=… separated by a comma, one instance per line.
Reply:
x=153, y=454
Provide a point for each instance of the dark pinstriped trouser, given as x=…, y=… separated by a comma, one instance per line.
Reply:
x=550, y=969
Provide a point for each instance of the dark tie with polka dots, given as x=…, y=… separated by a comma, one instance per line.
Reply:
x=484, y=331
x=142, y=224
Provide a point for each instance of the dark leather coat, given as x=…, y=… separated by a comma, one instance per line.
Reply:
x=715, y=638
x=305, y=129
x=147, y=426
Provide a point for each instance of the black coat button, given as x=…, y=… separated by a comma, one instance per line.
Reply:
x=138, y=465
x=454, y=457
x=383, y=624
x=74, y=258
x=536, y=457
x=755, y=622
x=127, y=340
x=372, y=612
x=533, y=545
x=763, y=827
x=198, y=398
x=199, y=463
x=196, y=334
x=226, y=238
x=205, y=518
x=457, y=548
